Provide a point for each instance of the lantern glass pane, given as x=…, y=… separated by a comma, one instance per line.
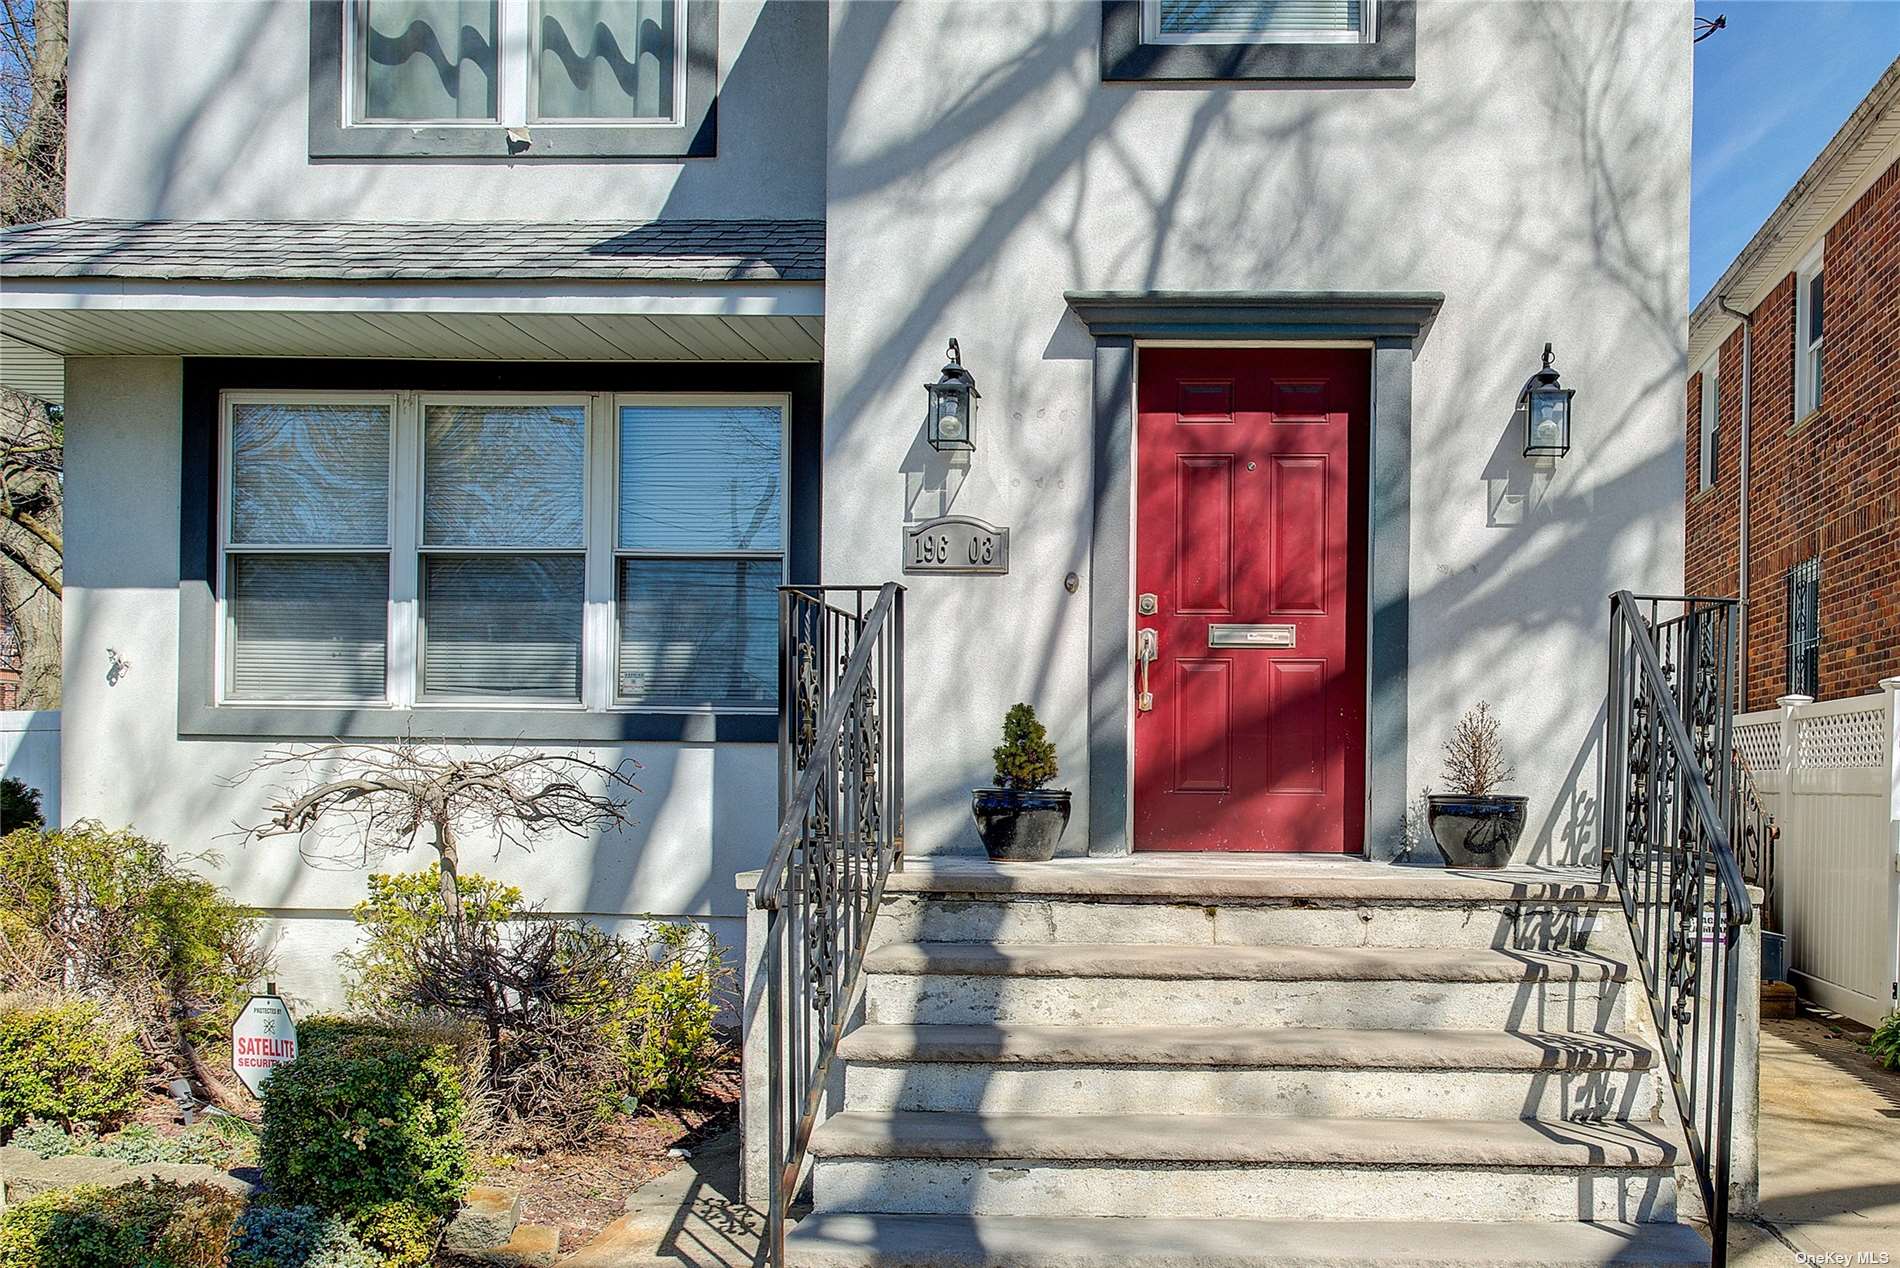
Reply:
x=1549, y=420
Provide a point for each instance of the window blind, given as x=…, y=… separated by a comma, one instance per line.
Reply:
x=606, y=59
x=700, y=478
x=308, y=627
x=1244, y=19
x=699, y=632
x=507, y=625
x=309, y=475
x=429, y=59
x=503, y=475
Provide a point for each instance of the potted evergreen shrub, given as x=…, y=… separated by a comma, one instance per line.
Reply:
x=1020, y=820
x=1474, y=824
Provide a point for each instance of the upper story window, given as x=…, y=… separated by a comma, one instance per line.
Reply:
x=588, y=551
x=521, y=79
x=1809, y=330
x=1258, y=21
x=1362, y=41
x=1711, y=429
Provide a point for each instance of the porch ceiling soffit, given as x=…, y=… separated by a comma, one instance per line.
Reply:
x=738, y=291
x=1257, y=314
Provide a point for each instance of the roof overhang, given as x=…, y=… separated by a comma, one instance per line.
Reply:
x=563, y=320
x=1864, y=147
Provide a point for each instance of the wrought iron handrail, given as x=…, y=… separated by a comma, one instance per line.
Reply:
x=1666, y=790
x=841, y=833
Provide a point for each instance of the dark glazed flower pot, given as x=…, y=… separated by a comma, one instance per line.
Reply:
x=1475, y=831
x=1020, y=825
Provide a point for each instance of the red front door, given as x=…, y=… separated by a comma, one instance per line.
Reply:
x=1250, y=530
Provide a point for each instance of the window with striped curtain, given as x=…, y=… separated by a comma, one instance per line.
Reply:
x=1258, y=21
x=307, y=550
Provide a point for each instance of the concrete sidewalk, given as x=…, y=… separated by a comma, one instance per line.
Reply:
x=1830, y=1152
x=691, y=1217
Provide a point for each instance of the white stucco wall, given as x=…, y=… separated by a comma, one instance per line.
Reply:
x=195, y=109
x=1536, y=173
x=703, y=813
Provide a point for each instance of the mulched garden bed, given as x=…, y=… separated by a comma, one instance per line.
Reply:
x=584, y=1188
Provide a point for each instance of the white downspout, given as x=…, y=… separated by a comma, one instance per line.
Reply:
x=1741, y=546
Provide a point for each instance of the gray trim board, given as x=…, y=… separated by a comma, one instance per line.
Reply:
x=1390, y=59
x=1394, y=323
x=199, y=717
x=695, y=136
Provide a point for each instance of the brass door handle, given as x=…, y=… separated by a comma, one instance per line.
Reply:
x=1147, y=651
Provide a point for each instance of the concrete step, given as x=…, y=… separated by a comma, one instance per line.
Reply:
x=1524, y=924
x=1249, y=1070
x=963, y=1241
x=1152, y=1165
x=1357, y=987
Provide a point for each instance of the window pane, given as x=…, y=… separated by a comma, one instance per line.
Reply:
x=310, y=475
x=502, y=626
x=699, y=632
x=429, y=59
x=1258, y=19
x=1815, y=306
x=308, y=627
x=503, y=475
x=606, y=59
x=700, y=477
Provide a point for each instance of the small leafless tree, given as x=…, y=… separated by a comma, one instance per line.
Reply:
x=32, y=110
x=32, y=544
x=377, y=798
x=1474, y=755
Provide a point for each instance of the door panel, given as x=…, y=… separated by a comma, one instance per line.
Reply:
x=1250, y=513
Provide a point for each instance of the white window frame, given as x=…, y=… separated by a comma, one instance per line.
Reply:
x=783, y=402
x=404, y=549
x=423, y=551
x=517, y=74
x=1709, y=412
x=223, y=634
x=1368, y=33
x=1808, y=352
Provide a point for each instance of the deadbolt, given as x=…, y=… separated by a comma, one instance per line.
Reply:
x=1147, y=605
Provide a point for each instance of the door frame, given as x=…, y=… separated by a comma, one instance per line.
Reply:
x=1393, y=325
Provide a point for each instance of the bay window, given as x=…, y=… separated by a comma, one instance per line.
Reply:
x=593, y=552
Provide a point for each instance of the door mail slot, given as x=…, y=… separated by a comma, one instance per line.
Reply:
x=1250, y=636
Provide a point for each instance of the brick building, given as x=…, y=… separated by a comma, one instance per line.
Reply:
x=1820, y=284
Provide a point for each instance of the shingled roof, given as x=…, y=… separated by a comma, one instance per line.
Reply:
x=335, y=250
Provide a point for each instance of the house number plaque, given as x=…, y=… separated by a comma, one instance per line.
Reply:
x=956, y=544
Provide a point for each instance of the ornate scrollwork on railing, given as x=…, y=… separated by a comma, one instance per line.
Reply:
x=840, y=834
x=1668, y=846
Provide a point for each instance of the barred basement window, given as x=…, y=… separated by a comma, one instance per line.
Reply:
x=1804, y=628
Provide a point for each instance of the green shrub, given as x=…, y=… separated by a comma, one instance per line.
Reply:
x=402, y=1233
x=1025, y=758
x=220, y=1140
x=1885, y=1043
x=111, y=916
x=19, y=805
x=672, y=1045
x=66, y=1061
x=402, y=909
x=145, y=1224
x=50, y=1140
x=368, y=1113
x=297, y=1237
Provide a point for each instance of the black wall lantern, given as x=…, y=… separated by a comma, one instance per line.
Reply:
x=1546, y=413
x=951, y=422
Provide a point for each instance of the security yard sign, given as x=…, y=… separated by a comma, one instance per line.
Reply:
x=263, y=1037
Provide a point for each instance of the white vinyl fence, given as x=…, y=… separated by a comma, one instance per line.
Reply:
x=29, y=752
x=1830, y=774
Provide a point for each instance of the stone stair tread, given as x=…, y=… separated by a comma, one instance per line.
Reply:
x=1225, y=962
x=1330, y=881
x=1247, y=1046
x=846, y=1240
x=1244, y=1140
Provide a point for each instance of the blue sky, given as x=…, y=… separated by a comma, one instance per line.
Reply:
x=1770, y=91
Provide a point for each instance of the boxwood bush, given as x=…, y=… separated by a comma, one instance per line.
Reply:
x=367, y=1114
x=65, y=1061
x=145, y=1224
x=297, y=1237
